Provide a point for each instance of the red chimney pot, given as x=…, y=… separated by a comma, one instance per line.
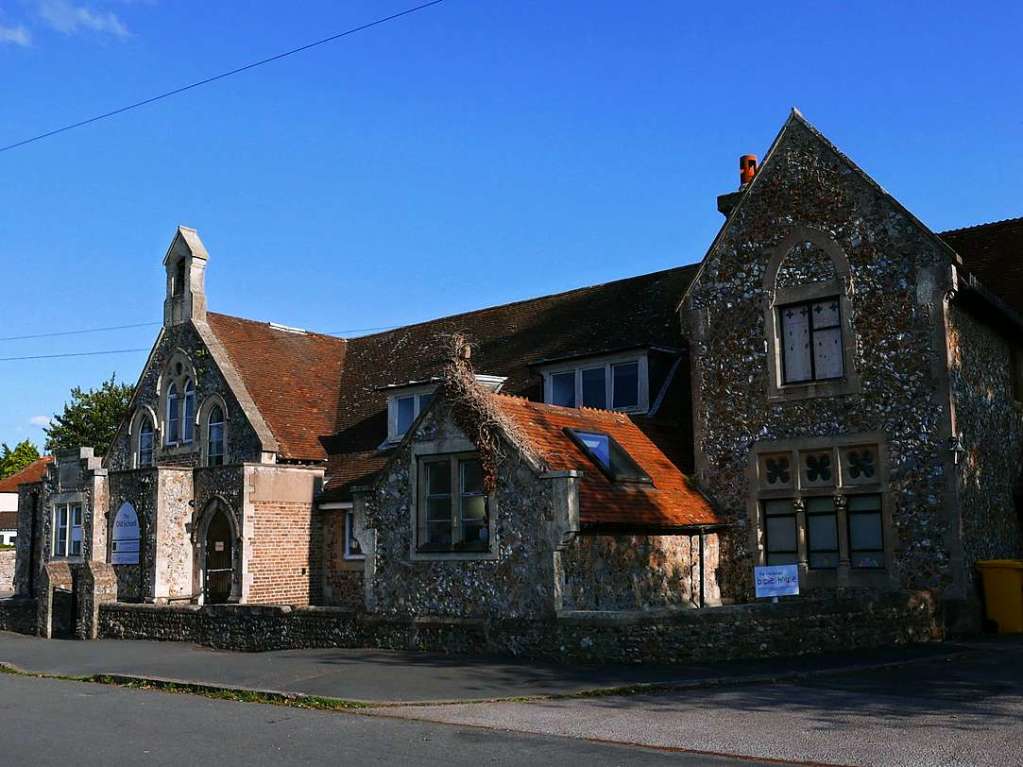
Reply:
x=747, y=168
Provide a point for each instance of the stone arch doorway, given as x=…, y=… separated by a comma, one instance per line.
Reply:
x=219, y=565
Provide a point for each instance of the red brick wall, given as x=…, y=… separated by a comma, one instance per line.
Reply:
x=286, y=559
x=342, y=579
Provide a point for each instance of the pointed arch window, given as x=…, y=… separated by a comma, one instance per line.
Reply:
x=173, y=414
x=188, y=415
x=215, y=437
x=145, y=451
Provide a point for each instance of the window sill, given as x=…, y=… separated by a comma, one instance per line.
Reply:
x=452, y=554
x=836, y=387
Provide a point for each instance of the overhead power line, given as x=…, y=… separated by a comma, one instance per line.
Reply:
x=220, y=76
x=79, y=332
x=286, y=336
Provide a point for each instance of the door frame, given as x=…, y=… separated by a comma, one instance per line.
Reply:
x=200, y=534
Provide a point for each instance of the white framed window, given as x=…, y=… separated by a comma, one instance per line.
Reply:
x=811, y=334
x=404, y=408
x=351, y=549
x=188, y=413
x=173, y=414
x=215, y=437
x=145, y=452
x=453, y=512
x=67, y=530
x=617, y=382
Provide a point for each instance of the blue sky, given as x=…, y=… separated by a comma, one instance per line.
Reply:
x=465, y=156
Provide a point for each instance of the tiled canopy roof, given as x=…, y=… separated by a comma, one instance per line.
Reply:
x=293, y=379
x=994, y=252
x=672, y=501
x=31, y=473
x=631, y=313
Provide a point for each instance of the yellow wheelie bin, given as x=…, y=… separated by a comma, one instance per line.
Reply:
x=1003, y=593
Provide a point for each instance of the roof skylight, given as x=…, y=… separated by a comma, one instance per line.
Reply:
x=610, y=457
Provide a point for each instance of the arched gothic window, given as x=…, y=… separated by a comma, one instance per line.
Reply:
x=145, y=449
x=215, y=437
x=173, y=414
x=188, y=416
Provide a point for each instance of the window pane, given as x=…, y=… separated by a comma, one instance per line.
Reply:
x=864, y=503
x=472, y=476
x=777, y=507
x=438, y=478
x=824, y=560
x=781, y=534
x=823, y=532
x=563, y=389
x=474, y=508
x=439, y=533
x=594, y=388
x=172, y=414
x=405, y=415
x=865, y=531
x=438, y=510
x=188, y=421
x=795, y=331
x=424, y=401
x=782, y=559
x=825, y=313
x=60, y=522
x=827, y=353
x=625, y=385
x=475, y=532
x=599, y=445
x=352, y=547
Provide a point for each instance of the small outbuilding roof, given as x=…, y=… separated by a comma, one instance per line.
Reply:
x=671, y=501
x=31, y=473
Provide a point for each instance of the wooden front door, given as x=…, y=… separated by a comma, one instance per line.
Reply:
x=219, y=560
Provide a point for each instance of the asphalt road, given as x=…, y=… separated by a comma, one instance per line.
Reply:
x=963, y=712
x=54, y=722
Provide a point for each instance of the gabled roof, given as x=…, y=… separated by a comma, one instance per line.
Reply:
x=994, y=253
x=672, y=502
x=293, y=378
x=508, y=340
x=31, y=473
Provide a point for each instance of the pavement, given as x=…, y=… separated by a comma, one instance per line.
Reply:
x=380, y=676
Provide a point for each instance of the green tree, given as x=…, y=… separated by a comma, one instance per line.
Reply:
x=13, y=461
x=91, y=418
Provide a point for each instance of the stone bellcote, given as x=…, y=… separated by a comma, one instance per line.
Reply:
x=185, y=263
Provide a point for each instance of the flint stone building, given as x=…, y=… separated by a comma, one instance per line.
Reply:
x=833, y=386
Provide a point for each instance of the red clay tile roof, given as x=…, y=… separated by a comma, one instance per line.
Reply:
x=31, y=473
x=8, y=520
x=993, y=252
x=292, y=377
x=672, y=502
x=632, y=313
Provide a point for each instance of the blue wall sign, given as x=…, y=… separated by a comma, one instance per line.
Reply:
x=776, y=580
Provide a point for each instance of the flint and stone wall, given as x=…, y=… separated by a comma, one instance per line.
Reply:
x=990, y=423
x=7, y=559
x=517, y=583
x=897, y=280
x=637, y=572
x=18, y=614
x=801, y=626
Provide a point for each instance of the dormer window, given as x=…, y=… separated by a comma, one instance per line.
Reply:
x=406, y=403
x=403, y=409
x=611, y=458
x=609, y=383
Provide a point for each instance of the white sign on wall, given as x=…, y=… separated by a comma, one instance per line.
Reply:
x=777, y=580
x=124, y=549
